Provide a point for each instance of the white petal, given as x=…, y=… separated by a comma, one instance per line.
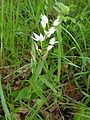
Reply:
x=52, y=41
x=49, y=47
x=41, y=37
x=51, y=31
x=36, y=37
x=56, y=22
x=43, y=24
x=44, y=18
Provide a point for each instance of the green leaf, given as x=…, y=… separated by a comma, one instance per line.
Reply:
x=48, y=84
x=24, y=94
x=39, y=92
x=62, y=8
x=3, y=101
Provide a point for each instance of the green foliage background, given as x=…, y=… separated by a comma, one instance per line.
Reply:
x=44, y=79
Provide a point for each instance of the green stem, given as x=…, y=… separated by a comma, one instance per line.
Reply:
x=59, y=29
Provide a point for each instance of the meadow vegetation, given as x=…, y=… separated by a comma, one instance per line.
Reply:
x=41, y=84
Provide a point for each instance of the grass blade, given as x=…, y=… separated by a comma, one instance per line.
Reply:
x=7, y=114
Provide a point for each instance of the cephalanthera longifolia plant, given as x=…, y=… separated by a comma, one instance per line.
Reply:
x=46, y=36
x=38, y=40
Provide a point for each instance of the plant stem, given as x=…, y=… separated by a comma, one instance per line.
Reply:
x=59, y=29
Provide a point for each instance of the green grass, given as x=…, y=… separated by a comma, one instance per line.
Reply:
x=49, y=85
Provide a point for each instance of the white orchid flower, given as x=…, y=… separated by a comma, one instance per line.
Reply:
x=38, y=38
x=52, y=41
x=51, y=31
x=43, y=24
x=56, y=22
x=49, y=47
x=51, y=44
x=42, y=37
x=44, y=21
x=44, y=18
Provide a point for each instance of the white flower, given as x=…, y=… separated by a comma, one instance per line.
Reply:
x=49, y=47
x=56, y=22
x=43, y=24
x=38, y=38
x=51, y=44
x=52, y=41
x=51, y=31
x=41, y=37
x=44, y=20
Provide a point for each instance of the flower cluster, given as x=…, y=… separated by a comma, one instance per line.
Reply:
x=51, y=30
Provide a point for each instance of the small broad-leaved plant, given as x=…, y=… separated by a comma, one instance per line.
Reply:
x=48, y=31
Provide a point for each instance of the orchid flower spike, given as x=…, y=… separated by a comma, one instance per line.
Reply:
x=44, y=20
